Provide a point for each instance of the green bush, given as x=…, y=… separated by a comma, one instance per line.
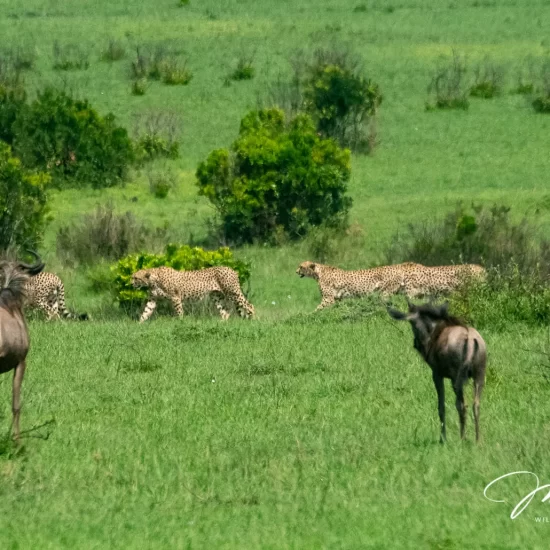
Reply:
x=160, y=64
x=70, y=57
x=541, y=104
x=447, y=89
x=477, y=235
x=23, y=202
x=276, y=178
x=72, y=141
x=12, y=103
x=182, y=258
x=105, y=235
x=488, y=81
x=507, y=297
x=244, y=70
x=340, y=100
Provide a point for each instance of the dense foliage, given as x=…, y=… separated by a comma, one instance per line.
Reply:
x=23, y=202
x=72, y=141
x=277, y=178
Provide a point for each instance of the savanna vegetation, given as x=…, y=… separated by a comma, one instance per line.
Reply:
x=258, y=135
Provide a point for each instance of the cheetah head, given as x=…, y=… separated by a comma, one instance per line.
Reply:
x=141, y=278
x=308, y=269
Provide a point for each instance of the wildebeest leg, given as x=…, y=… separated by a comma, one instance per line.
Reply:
x=440, y=388
x=148, y=311
x=478, y=388
x=460, y=405
x=18, y=375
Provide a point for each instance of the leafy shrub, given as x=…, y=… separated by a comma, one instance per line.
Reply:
x=181, y=257
x=139, y=86
x=244, y=70
x=160, y=182
x=488, y=80
x=507, y=297
x=12, y=103
x=70, y=57
x=447, y=88
x=541, y=103
x=184, y=2
x=23, y=202
x=330, y=87
x=71, y=140
x=155, y=135
x=277, y=177
x=339, y=99
x=104, y=235
x=115, y=51
x=481, y=236
x=525, y=78
x=11, y=75
x=160, y=64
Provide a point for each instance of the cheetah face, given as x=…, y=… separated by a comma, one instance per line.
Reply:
x=141, y=278
x=307, y=269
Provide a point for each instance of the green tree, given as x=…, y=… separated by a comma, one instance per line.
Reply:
x=23, y=202
x=68, y=138
x=277, y=178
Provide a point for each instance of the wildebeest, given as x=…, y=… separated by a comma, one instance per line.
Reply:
x=14, y=336
x=452, y=350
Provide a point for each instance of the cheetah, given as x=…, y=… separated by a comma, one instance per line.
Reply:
x=165, y=282
x=46, y=292
x=432, y=281
x=335, y=283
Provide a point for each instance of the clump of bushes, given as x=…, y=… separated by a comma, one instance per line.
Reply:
x=161, y=182
x=139, y=86
x=155, y=135
x=488, y=81
x=244, y=69
x=447, y=89
x=114, y=51
x=331, y=88
x=517, y=259
x=182, y=257
x=340, y=99
x=104, y=235
x=23, y=202
x=13, y=100
x=70, y=57
x=279, y=177
x=160, y=64
x=69, y=139
x=541, y=103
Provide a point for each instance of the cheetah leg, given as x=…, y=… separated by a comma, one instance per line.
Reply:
x=218, y=300
x=178, y=307
x=244, y=307
x=150, y=307
x=327, y=300
x=48, y=307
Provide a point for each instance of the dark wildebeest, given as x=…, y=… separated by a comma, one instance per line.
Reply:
x=14, y=336
x=452, y=350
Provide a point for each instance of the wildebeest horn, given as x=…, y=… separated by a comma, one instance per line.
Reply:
x=35, y=268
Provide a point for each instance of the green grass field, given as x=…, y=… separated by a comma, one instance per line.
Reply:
x=293, y=430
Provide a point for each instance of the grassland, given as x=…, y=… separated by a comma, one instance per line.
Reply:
x=291, y=431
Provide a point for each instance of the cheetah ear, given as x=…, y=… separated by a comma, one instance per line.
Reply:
x=313, y=266
x=147, y=275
